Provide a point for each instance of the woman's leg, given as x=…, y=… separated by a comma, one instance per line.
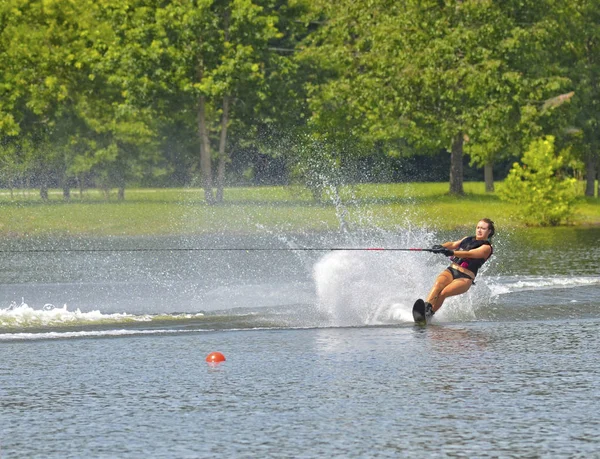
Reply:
x=443, y=280
x=456, y=287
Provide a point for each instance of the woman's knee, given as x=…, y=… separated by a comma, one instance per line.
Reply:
x=442, y=283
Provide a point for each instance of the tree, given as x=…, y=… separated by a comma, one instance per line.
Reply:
x=432, y=75
x=39, y=77
x=9, y=95
x=202, y=58
x=539, y=185
x=59, y=89
x=13, y=164
x=579, y=57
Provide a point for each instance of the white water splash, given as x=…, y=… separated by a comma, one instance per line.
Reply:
x=368, y=288
x=87, y=334
x=511, y=284
x=356, y=288
x=23, y=316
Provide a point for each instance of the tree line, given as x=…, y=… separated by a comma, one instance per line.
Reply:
x=112, y=93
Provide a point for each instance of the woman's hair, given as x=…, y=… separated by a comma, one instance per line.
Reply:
x=490, y=226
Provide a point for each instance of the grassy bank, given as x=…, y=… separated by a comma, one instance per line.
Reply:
x=251, y=210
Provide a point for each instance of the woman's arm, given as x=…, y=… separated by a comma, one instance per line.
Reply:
x=480, y=252
x=453, y=245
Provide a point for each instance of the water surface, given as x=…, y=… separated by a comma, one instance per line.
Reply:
x=103, y=348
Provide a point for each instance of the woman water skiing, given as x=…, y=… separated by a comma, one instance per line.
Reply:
x=467, y=256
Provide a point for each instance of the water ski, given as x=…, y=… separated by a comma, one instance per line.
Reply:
x=418, y=312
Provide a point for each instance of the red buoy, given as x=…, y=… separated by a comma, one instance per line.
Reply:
x=215, y=357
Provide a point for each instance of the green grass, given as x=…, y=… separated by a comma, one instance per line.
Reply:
x=258, y=209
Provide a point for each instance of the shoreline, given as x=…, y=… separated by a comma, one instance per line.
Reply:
x=257, y=210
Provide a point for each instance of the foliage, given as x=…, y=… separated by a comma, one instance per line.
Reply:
x=102, y=82
x=579, y=59
x=211, y=67
x=421, y=76
x=539, y=185
x=112, y=90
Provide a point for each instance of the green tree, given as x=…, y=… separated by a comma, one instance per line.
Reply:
x=61, y=90
x=579, y=56
x=424, y=76
x=540, y=186
x=39, y=74
x=13, y=165
x=207, y=59
x=116, y=104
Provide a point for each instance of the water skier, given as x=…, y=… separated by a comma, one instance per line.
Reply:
x=467, y=256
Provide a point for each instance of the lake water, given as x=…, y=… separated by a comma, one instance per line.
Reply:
x=103, y=345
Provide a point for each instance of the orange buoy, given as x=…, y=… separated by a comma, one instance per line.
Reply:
x=215, y=357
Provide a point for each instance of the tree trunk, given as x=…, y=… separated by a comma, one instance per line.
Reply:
x=44, y=189
x=456, y=165
x=205, y=154
x=590, y=174
x=106, y=191
x=224, y=122
x=222, y=156
x=80, y=179
x=66, y=191
x=488, y=173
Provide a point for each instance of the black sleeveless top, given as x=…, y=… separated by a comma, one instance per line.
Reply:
x=472, y=264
